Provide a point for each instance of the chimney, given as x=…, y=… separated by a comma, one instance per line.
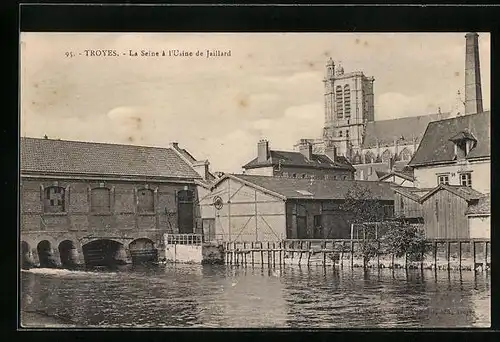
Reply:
x=262, y=151
x=331, y=151
x=473, y=94
x=305, y=148
x=202, y=168
x=175, y=145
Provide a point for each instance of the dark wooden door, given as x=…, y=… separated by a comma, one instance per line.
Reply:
x=185, y=211
x=301, y=227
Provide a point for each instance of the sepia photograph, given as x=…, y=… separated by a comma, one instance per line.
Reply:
x=254, y=180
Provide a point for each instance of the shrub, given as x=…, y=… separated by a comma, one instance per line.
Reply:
x=402, y=238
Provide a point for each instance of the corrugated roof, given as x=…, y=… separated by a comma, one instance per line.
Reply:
x=289, y=158
x=482, y=207
x=294, y=188
x=436, y=146
x=385, y=131
x=467, y=193
x=78, y=157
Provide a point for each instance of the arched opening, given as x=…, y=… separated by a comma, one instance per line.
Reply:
x=25, y=259
x=104, y=253
x=68, y=254
x=386, y=156
x=143, y=250
x=45, y=254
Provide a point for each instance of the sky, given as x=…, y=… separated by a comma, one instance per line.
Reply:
x=218, y=108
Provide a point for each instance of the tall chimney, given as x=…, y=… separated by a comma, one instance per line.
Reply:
x=305, y=148
x=473, y=94
x=262, y=151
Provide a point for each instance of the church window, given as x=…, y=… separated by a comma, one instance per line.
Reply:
x=386, y=156
x=339, y=100
x=369, y=158
x=347, y=102
x=405, y=154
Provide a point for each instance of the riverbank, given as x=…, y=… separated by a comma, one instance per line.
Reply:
x=33, y=319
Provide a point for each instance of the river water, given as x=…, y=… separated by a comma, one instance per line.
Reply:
x=232, y=297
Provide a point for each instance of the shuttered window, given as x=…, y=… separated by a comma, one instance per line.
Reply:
x=145, y=201
x=54, y=201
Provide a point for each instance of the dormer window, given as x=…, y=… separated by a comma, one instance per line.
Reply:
x=464, y=142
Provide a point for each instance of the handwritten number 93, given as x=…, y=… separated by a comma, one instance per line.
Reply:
x=69, y=54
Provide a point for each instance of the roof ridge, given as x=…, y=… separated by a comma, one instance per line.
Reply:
x=96, y=143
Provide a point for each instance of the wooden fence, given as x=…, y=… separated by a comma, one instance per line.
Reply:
x=467, y=254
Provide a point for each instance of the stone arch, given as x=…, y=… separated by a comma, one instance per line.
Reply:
x=46, y=254
x=405, y=154
x=386, y=155
x=104, y=252
x=143, y=250
x=68, y=254
x=26, y=258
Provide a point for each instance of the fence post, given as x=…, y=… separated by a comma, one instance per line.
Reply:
x=473, y=248
x=261, y=254
x=309, y=253
x=435, y=255
x=280, y=246
x=324, y=252
x=342, y=254
x=460, y=254
x=485, y=255
x=352, y=253
x=448, y=252
x=378, y=253
x=251, y=247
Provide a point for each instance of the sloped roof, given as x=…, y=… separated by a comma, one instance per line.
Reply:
x=408, y=175
x=465, y=192
x=385, y=131
x=482, y=207
x=78, y=157
x=289, y=158
x=294, y=188
x=437, y=147
x=463, y=135
x=411, y=192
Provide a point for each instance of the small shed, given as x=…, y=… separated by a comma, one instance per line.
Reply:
x=444, y=211
x=266, y=208
x=478, y=215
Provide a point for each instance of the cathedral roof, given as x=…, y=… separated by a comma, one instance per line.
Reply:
x=385, y=131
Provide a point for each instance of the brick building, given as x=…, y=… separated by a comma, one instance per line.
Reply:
x=95, y=202
x=302, y=164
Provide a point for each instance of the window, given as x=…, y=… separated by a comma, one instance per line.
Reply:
x=340, y=134
x=405, y=154
x=303, y=175
x=294, y=175
x=344, y=177
x=145, y=201
x=402, y=204
x=100, y=200
x=347, y=134
x=53, y=200
x=347, y=102
x=386, y=156
x=317, y=220
x=443, y=179
x=465, y=179
x=339, y=102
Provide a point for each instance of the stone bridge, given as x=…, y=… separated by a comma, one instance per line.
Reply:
x=66, y=248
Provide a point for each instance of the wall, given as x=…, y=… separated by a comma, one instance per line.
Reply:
x=406, y=207
x=399, y=181
x=426, y=177
x=335, y=222
x=480, y=227
x=444, y=216
x=123, y=224
x=246, y=215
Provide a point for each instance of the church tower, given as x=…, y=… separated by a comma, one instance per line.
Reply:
x=349, y=104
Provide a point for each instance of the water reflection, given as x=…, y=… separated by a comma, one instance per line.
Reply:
x=224, y=296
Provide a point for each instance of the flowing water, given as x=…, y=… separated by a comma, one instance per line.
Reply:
x=227, y=297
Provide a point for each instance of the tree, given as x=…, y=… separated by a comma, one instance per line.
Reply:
x=402, y=239
x=365, y=208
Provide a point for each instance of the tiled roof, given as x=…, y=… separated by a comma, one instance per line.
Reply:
x=482, y=207
x=287, y=158
x=77, y=157
x=385, y=131
x=465, y=192
x=294, y=188
x=436, y=146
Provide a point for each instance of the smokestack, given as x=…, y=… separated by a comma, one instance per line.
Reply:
x=305, y=148
x=473, y=94
x=262, y=151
